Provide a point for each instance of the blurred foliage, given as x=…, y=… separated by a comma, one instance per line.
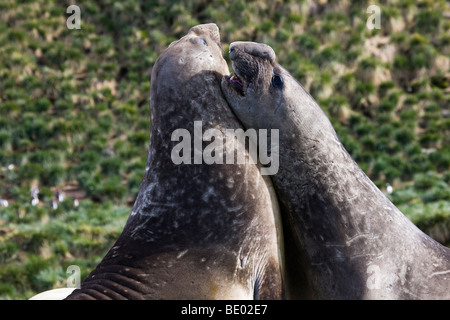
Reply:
x=74, y=109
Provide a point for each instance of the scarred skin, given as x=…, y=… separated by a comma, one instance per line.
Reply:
x=196, y=231
x=343, y=238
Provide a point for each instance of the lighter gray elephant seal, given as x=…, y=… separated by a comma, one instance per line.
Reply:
x=344, y=238
x=196, y=231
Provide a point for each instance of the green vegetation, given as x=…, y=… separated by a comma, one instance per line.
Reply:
x=74, y=112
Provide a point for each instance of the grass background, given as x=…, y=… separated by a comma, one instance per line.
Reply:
x=74, y=111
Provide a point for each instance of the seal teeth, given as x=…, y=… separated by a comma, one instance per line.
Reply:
x=235, y=78
x=236, y=83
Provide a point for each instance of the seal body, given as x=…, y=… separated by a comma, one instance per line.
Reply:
x=344, y=239
x=196, y=231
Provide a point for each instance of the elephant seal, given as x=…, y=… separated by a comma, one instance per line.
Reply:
x=344, y=238
x=196, y=231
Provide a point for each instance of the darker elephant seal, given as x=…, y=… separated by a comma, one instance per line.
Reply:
x=196, y=231
x=344, y=238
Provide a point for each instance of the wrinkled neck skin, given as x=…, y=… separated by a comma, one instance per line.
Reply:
x=354, y=242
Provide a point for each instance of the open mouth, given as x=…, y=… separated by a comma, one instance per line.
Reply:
x=236, y=83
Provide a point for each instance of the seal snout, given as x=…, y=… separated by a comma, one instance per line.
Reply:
x=245, y=57
x=259, y=50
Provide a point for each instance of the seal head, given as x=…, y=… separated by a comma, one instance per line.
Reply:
x=257, y=78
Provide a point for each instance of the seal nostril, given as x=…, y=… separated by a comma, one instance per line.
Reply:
x=231, y=52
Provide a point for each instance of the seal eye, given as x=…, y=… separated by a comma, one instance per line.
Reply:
x=277, y=81
x=199, y=40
